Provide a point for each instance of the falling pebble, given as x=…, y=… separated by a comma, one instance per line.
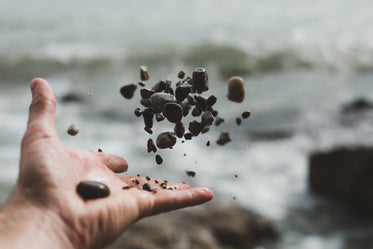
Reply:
x=144, y=73
x=73, y=130
x=128, y=91
x=238, y=121
x=190, y=173
x=245, y=114
x=158, y=159
x=224, y=138
x=236, y=90
x=208, y=143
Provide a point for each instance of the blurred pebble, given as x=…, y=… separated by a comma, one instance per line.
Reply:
x=144, y=73
x=224, y=138
x=165, y=140
x=128, y=91
x=245, y=114
x=236, y=89
x=158, y=159
x=73, y=130
x=89, y=190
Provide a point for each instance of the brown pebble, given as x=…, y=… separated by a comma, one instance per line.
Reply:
x=208, y=143
x=219, y=120
x=147, y=187
x=186, y=108
x=138, y=112
x=126, y=187
x=148, y=130
x=179, y=129
x=128, y=91
x=146, y=93
x=196, y=111
x=89, y=190
x=159, y=117
x=195, y=128
x=181, y=74
x=160, y=86
x=73, y=130
x=159, y=100
x=146, y=103
x=173, y=112
x=188, y=136
x=245, y=114
x=182, y=92
x=137, y=181
x=138, y=175
x=99, y=150
x=142, y=84
x=236, y=89
x=156, y=181
x=158, y=159
x=148, y=117
x=144, y=73
x=224, y=138
x=200, y=80
x=205, y=129
x=151, y=146
x=211, y=100
x=238, y=121
x=190, y=173
x=165, y=140
x=207, y=118
x=201, y=102
x=147, y=178
x=163, y=185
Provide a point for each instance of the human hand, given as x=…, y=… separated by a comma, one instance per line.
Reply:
x=48, y=176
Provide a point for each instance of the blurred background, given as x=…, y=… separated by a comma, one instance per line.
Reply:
x=308, y=71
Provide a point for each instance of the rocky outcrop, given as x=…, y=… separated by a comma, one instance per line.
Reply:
x=207, y=228
x=344, y=174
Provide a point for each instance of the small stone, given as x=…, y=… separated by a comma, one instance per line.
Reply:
x=182, y=92
x=89, y=190
x=245, y=114
x=142, y=84
x=159, y=117
x=146, y=93
x=186, y=108
x=190, y=173
x=151, y=146
x=211, y=100
x=191, y=100
x=148, y=117
x=99, y=150
x=205, y=129
x=144, y=73
x=165, y=140
x=160, y=86
x=188, y=136
x=126, y=187
x=173, y=112
x=236, y=89
x=73, y=130
x=179, y=129
x=181, y=75
x=146, y=103
x=147, y=178
x=208, y=143
x=138, y=112
x=201, y=102
x=158, y=100
x=214, y=113
x=224, y=138
x=158, y=159
x=196, y=111
x=148, y=130
x=128, y=91
x=195, y=128
x=200, y=80
x=219, y=120
x=238, y=121
x=207, y=118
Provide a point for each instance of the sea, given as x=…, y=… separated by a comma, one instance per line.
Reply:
x=302, y=61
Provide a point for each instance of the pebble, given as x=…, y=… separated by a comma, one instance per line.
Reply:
x=205, y=129
x=142, y=84
x=238, y=121
x=219, y=120
x=151, y=146
x=158, y=100
x=89, y=190
x=208, y=143
x=179, y=129
x=128, y=91
x=146, y=103
x=201, y=102
x=158, y=159
x=188, y=136
x=211, y=100
x=148, y=130
x=195, y=128
x=160, y=86
x=165, y=140
x=236, y=89
x=99, y=150
x=224, y=138
x=146, y=93
x=138, y=112
x=196, y=111
x=207, y=118
x=245, y=114
x=73, y=130
x=147, y=187
x=214, y=113
x=200, y=80
x=182, y=92
x=148, y=117
x=173, y=112
x=144, y=73
x=181, y=75
x=186, y=108
x=159, y=117
x=190, y=173
x=191, y=100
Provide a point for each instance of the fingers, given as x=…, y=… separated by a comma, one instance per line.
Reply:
x=113, y=162
x=42, y=110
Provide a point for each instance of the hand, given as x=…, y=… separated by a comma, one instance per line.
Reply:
x=46, y=194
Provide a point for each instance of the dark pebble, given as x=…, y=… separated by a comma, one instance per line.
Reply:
x=146, y=103
x=159, y=117
x=208, y=143
x=151, y=146
x=236, y=89
x=224, y=138
x=207, y=118
x=73, y=130
x=168, y=88
x=89, y=190
x=218, y=121
x=144, y=73
x=138, y=112
x=147, y=178
x=200, y=80
x=191, y=100
x=181, y=74
x=188, y=136
x=245, y=114
x=238, y=121
x=211, y=100
x=190, y=173
x=160, y=99
x=195, y=128
x=173, y=112
x=146, y=93
x=148, y=130
x=179, y=129
x=182, y=92
x=148, y=117
x=126, y=187
x=158, y=159
x=128, y=91
x=137, y=181
x=165, y=140
x=201, y=102
x=214, y=113
x=160, y=86
x=196, y=111
x=205, y=129
x=142, y=84
x=99, y=150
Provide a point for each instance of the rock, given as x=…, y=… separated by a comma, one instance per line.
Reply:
x=200, y=228
x=356, y=106
x=236, y=89
x=344, y=174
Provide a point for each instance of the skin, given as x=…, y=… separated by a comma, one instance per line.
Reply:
x=45, y=210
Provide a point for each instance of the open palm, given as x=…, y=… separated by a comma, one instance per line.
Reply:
x=50, y=172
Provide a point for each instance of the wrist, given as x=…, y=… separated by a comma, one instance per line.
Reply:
x=24, y=224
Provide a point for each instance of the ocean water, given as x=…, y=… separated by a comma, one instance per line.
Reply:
x=301, y=62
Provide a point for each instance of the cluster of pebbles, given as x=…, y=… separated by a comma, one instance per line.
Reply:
x=163, y=102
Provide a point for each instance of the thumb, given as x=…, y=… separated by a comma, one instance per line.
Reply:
x=42, y=111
